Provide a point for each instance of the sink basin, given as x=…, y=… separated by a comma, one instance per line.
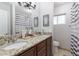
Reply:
x=16, y=45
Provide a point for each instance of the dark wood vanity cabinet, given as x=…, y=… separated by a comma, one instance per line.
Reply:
x=43, y=48
x=29, y=52
x=49, y=46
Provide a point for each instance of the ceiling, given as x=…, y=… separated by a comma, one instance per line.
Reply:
x=56, y=4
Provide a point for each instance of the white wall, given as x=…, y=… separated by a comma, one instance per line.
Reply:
x=44, y=8
x=3, y=22
x=36, y=13
x=62, y=32
x=6, y=7
x=47, y=8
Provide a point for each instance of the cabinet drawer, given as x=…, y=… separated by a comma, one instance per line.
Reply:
x=41, y=45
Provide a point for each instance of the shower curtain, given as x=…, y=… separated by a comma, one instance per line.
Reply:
x=75, y=29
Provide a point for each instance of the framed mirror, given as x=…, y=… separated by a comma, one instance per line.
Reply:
x=46, y=20
x=35, y=21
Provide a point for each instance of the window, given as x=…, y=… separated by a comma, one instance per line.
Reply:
x=60, y=19
x=55, y=20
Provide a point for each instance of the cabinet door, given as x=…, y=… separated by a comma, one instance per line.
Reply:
x=42, y=52
x=41, y=48
x=30, y=52
x=49, y=46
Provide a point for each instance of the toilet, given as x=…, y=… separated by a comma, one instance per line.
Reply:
x=56, y=45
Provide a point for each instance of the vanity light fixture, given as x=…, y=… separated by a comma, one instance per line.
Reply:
x=28, y=5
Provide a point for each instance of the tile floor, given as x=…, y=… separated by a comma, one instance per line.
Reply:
x=62, y=52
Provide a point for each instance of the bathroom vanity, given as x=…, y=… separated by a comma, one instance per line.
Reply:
x=43, y=48
x=40, y=45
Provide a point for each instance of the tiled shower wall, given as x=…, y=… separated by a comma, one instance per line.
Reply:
x=75, y=29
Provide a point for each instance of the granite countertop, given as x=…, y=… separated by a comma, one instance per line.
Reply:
x=31, y=42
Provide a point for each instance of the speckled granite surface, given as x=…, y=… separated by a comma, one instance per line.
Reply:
x=30, y=42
